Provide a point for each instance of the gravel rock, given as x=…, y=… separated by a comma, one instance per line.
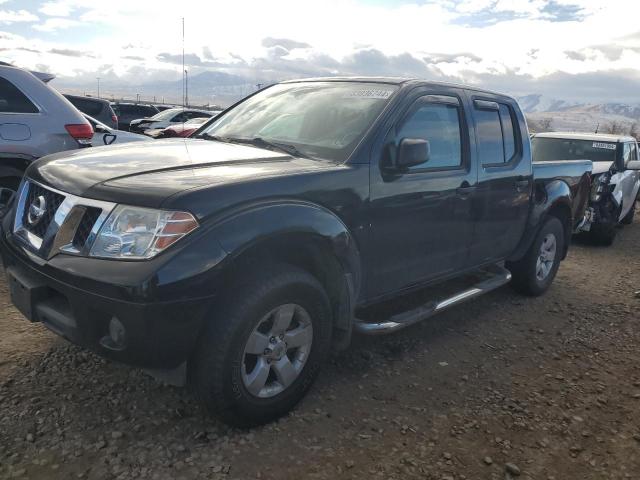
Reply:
x=512, y=469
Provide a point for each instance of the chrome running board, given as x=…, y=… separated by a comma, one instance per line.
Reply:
x=499, y=276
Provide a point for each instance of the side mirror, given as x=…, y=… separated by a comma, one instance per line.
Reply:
x=633, y=165
x=411, y=152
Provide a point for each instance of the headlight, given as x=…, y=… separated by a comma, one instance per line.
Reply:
x=600, y=185
x=140, y=233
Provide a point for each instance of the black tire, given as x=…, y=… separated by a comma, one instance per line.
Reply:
x=216, y=368
x=7, y=184
x=603, y=234
x=524, y=271
x=628, y=218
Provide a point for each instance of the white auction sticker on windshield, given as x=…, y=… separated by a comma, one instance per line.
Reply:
x=377, y=93
x=607, y=146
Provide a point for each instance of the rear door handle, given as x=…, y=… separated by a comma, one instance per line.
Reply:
x=522, y=184
x=465, y=190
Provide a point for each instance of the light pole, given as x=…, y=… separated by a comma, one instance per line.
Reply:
x=98, y=78
x=186, y=87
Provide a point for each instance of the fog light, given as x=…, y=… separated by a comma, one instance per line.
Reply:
x=117, y=332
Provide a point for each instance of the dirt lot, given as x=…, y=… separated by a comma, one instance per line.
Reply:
x=506, y=386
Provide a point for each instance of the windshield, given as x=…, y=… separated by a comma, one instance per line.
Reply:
x=197, y=121
x=319, y=119
x=166, y=114
x=549, y=149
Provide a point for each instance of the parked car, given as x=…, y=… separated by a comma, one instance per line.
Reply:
x=103, y=135
x=96, y=108
x=245, y=255
x=179, y=130
x=35, y=120
x=616, y=176
x=167, y=118
x=132, y=111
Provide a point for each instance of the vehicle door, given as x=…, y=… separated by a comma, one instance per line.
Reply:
x=421, y=224
x=505, y=178
x=20, y=122
x=629, y=179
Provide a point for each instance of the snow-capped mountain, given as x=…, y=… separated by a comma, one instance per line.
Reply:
x=536, y=103
x=539, y=103
x=576, y=116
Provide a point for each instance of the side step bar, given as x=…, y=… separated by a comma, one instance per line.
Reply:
x=499, y=277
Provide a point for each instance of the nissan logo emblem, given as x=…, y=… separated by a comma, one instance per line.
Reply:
x=36, y=210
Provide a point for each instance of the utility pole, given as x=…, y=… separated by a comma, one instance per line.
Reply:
x=183, y=69
x=98, y=78
x=259, y=85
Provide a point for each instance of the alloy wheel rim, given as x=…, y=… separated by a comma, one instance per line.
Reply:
x=277, y=350
x=546, y=256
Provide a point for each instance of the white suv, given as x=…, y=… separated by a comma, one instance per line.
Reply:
x=615, y=176
x=35, y=120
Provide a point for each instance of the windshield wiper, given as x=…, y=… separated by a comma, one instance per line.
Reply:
x=208, y=136
x=258, y=142
x=283, y=147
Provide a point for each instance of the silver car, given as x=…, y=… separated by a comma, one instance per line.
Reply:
x=35, y=120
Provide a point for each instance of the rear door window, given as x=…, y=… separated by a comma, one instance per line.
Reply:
x=12, y=100
x=490, y=143
x=495, y=132
x=508, y=132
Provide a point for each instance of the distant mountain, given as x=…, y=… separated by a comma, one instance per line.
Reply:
x=208, y=87
x=539, y=103
x=575, y=116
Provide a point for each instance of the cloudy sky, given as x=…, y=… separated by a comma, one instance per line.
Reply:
x=580, y=50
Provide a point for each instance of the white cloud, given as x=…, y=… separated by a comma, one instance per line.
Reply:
x=14, y=16
x=55, y=24
x=498, y=36
x=58, y=8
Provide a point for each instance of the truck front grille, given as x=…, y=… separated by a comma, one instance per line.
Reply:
x=85, y=226
x=49, y=222
x=52, y=202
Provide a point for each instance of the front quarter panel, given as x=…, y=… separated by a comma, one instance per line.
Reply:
x=290, y=218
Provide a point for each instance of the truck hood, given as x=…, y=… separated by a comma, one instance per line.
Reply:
x=601, y=167
x=146, y=173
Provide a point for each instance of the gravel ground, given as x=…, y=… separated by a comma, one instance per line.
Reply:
x=503, y=387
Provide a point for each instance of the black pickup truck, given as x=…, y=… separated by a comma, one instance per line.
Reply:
x=244, y=255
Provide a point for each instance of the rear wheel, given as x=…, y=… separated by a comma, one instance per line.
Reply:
x=260, y=354
x=534, y=273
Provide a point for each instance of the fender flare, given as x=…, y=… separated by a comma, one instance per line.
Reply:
x=251, y=225
x=547, y=197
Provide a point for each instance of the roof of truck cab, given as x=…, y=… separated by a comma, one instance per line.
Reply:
x=592, y=137
x=396, y=81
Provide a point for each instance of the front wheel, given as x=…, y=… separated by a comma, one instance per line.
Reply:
x=8, y=188
x=263, y=348
x=534, y=273
x=628, y=218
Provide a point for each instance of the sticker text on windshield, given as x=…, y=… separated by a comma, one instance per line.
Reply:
x=607, y=146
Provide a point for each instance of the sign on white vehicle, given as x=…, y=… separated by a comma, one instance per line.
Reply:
x=607, y=146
